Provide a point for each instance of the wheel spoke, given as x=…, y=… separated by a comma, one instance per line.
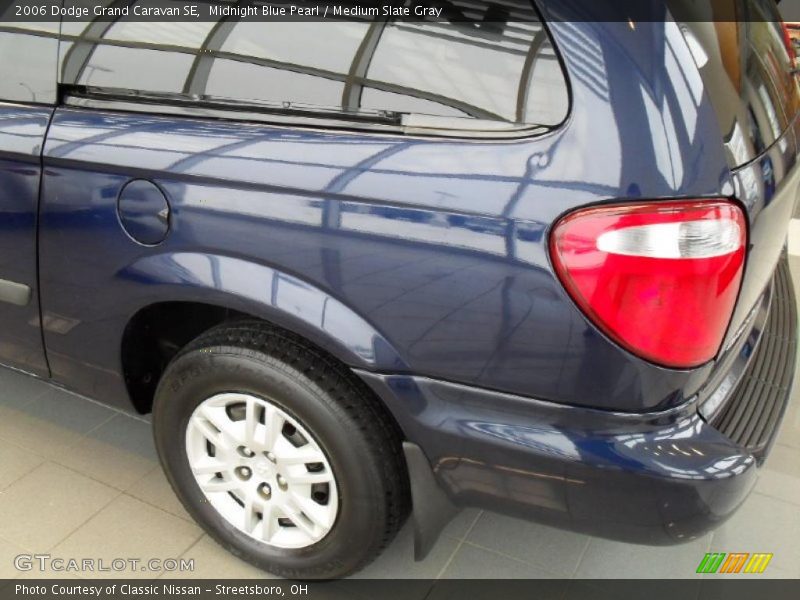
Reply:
x=250, y=419
x=288, y=455
x=294, y=513
x=211, y=433
x=304, y=477
x=209, y=467
x=216, y=485
x=250, y=516
x=274, y=422
x=216, y=418
x=269, y=522
x=318, y=514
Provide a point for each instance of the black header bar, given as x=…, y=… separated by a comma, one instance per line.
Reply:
x=456, y=11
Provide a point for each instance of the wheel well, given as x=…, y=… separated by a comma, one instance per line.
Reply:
x=155, y=334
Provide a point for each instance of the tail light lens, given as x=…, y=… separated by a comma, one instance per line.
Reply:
x=787, y=41
x=659, y=278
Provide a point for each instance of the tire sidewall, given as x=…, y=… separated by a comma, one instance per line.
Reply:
x=204, y=373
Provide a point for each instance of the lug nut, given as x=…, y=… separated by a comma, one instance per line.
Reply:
x=246, y=452
x=282, y=482
x=270, y=456
x=244, y=472
x=265, y=491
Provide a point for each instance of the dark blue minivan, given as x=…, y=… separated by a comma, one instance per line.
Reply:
x=524, y=256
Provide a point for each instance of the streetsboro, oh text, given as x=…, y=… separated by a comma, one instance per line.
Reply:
x=162, y=590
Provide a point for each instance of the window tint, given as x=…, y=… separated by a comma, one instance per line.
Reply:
x=152, y=70
x=28, y=62
x=247, y=81
x=504, y=69
x=329, y=46
x=475, y=72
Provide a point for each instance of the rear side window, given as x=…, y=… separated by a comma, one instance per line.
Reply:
x=496, y=71
x=28, y=57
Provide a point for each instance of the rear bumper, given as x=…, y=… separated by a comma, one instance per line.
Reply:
x=750, y=415
x=656, y=478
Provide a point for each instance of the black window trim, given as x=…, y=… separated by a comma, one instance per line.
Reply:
x=412, y=125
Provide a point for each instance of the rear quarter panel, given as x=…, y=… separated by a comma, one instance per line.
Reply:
x=437, y=247
x=748, y=76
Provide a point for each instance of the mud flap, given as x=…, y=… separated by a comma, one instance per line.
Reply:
x=432, y=508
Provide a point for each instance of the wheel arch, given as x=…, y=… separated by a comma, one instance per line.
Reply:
x=199, y=291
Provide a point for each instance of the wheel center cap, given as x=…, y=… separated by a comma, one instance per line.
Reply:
x=262, y=467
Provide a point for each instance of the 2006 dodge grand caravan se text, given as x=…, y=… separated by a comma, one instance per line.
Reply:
x=532, y=260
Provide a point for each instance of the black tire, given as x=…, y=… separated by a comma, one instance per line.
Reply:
x=362, y=444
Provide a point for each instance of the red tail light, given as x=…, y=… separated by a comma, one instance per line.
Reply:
x=787, y=41
x=659, y=278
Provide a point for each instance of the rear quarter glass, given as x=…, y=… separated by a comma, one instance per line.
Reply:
x=425, y=72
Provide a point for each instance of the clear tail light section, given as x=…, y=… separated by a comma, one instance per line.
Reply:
x=659, y=278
